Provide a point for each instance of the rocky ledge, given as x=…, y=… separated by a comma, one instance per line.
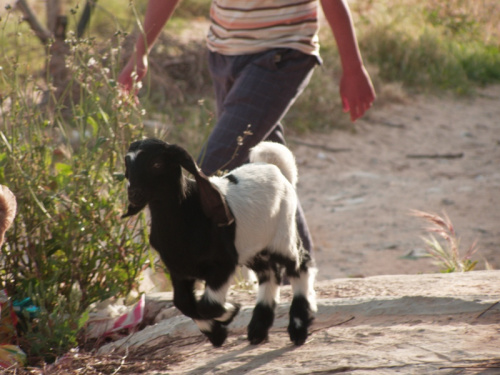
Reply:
x=408, y=324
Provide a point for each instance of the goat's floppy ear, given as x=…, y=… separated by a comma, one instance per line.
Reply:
x=212, y=200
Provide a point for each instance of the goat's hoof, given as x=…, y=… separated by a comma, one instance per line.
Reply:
x=217, y=335
x=298, y=332
x=257, y=332
x=301, y=318
x=257, y=338
x=262, y=320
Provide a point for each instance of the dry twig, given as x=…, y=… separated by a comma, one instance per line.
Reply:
x=321, y=147
x=488, y=309
x=435, y=156
x=41, y=32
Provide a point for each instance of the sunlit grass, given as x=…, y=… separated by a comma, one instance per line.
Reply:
x=447, y=250
x=432, y=45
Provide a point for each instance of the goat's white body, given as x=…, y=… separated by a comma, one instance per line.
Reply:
x=263, y=200
x=279, y=155
x=263, y=203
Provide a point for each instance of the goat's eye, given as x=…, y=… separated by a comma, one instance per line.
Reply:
x=157, y=165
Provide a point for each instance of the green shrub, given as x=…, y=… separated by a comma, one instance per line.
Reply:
x=61, y=153
x=431, y=45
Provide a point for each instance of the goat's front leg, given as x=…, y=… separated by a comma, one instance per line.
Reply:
x=216, y=311
x=185, y=301
x=184, y=298
x=213, y=305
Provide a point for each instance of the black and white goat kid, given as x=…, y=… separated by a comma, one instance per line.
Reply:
x=204, y=228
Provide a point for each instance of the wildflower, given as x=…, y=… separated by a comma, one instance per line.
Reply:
x=92, y=62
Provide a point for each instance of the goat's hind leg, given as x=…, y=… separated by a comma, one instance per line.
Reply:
x=268, y=274
x=304, y=299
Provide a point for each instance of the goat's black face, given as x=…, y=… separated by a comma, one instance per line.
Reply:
x=148, y=170
x=153, y=170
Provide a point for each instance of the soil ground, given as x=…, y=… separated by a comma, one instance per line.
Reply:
x=393, y=324
x=430, y=154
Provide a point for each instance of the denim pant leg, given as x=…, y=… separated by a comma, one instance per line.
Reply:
x=254, y=92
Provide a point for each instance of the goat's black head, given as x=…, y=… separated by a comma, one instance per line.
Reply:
x=152, y=165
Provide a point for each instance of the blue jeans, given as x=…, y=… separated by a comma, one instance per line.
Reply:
x=254, y=90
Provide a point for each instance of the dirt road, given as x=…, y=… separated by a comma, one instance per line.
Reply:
x=430, y=154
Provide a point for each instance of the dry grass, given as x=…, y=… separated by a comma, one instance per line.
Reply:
x=447, y=252
x=483, y=15
x=484, y=12
x=75, y=362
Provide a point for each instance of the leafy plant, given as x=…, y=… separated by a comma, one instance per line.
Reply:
x=447, y=252
x=61, y=153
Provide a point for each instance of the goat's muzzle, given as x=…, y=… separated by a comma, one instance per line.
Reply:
x=132, y=210
x=137, y=202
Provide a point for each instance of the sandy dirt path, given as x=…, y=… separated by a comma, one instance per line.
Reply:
x=430, y=154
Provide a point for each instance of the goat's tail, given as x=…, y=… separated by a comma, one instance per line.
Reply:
x=279, y=155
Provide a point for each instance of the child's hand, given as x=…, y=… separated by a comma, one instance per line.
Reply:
x=357, y=93
x=133, y=72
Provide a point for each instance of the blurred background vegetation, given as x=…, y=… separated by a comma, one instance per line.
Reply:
x=64, y=128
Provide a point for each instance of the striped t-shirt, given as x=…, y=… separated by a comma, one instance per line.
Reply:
x=251, y=26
